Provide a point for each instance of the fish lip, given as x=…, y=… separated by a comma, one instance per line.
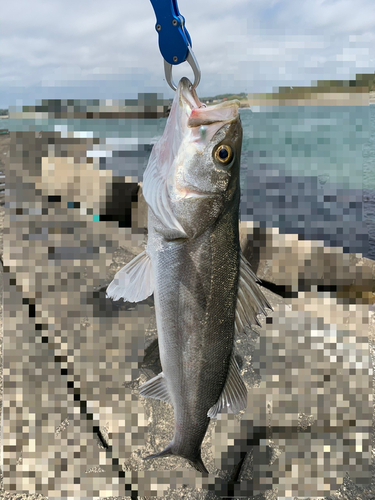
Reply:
x=190, y=101
x=189, y=95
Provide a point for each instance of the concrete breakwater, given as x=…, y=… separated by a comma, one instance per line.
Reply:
x=73, y=360
x=149, y=105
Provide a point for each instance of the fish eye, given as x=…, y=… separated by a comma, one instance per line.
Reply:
x=223, y=154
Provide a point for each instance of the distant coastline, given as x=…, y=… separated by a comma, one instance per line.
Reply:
x=141, y=111
x=358, y=92
x=314, y=99
x=302, y=97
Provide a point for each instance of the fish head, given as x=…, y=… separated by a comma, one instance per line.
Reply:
x=195, y=165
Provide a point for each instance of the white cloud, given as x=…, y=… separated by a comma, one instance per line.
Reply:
x=240, y=45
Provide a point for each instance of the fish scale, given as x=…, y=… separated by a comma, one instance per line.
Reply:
x=203, y=288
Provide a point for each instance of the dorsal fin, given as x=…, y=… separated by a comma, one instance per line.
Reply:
x=234, y=394
x=160, y=166
x=134, y=282
x=250, y=299
x=155, y=192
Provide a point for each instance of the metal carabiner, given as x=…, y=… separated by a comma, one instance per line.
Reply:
x=194, y=66
x=174, y=39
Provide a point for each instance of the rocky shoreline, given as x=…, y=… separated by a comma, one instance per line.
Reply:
x=308, y=368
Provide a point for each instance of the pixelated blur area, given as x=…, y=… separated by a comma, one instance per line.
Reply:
x=74, y=425
x=71, y=416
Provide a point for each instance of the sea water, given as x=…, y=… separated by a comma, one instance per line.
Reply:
x=304, y=172
x=4, y=123
x=307, y=170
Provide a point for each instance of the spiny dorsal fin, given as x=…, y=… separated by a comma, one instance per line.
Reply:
x=250, y=299
x=155, y=388
x=134, y=282
x=234, y=394
x=155, y=188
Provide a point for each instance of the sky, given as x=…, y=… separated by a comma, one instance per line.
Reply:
x=65, y=49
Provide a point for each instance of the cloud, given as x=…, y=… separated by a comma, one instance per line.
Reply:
x=240, y=45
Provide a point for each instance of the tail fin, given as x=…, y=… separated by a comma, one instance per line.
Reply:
x=197, y=463
x=164, y=453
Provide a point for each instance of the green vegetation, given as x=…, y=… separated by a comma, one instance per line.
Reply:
x=362, y=83
x=229, y=97
x=4, y=112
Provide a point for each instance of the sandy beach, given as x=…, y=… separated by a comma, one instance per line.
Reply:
x=74, y=425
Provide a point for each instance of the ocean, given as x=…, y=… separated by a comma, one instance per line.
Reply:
x=4, y=123
x=306, y=170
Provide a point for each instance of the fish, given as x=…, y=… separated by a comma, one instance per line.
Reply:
x=204, y=289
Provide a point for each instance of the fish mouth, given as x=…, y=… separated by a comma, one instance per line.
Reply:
x=198, y=113
x=188, y=96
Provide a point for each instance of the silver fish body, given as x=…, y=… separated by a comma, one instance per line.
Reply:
x=195, y=303
x=202, y=286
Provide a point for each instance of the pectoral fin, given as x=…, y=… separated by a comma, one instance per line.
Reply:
x=134, y=282
x=155, y=388
x=234, y=395
x=250, y=299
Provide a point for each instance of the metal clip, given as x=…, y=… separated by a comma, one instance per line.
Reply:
x=174, y=39
x=193, y=64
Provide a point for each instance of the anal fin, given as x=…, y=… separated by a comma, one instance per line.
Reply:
x=234, y=394
x=250, y=299
x=155, y=388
